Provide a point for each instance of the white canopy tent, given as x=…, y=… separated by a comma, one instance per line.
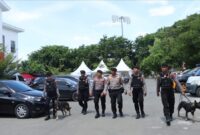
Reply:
x=102, y=66
x=122, y=67
x=83, y=66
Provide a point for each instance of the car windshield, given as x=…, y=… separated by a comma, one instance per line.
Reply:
x=69, y=81
x=193, y=71
x=197, y=73
x=18, y=86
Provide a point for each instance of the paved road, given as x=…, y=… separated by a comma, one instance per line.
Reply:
x=77, y=124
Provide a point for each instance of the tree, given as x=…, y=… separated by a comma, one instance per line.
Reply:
x=8, y=65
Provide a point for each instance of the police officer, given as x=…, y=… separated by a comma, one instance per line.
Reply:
x=138, y=90
x=52, y=94
x=115, y=88
x=165, y=85
x=83, y=92
x=99, y=83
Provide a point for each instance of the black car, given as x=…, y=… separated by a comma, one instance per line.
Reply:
x=67, y=87
x=68, y=77
x=19, y=99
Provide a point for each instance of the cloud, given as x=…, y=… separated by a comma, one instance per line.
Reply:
x=162, y=11
x=107, y=24
x=18, y=15
x=161, y=2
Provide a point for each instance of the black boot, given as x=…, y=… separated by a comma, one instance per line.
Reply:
x=103, y=114
x=47, y=118
x=171, y=117
x=143, y=114
x=97, y=115
x=114, y=116
x=168, y=121
x=121, y=114
x=138, y=116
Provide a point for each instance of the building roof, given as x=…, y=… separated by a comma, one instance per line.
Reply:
x=4, y=6
x=12, y=28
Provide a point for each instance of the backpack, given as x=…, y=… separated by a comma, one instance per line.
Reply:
x=51, y=88
x=166, y=82
x=137, y=82
x=83, y=83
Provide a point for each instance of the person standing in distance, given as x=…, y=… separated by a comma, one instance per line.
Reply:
x=138, y=91
x=83, y=92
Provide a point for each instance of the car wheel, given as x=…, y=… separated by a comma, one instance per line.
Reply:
x=21, y=111
x=74, y=96
x=198, y=92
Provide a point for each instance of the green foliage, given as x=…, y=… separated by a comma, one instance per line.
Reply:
x=58, y=59
x=7, y=65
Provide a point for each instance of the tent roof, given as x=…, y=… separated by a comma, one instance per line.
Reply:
x=102, y=66
x=83, y=66
x=122, y=66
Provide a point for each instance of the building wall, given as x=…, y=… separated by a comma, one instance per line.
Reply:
x=10, y=36
x=0, y=26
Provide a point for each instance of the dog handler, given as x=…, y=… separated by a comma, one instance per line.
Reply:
x=165, y=83
x=52, y=93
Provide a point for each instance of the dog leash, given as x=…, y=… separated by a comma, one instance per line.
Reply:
x=181, y=98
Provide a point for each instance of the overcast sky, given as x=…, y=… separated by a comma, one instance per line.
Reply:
x=73, y=23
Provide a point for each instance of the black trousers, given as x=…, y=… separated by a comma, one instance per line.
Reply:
x=97, y=97
x=116, y=97
x=48, y=108
x=168, y=101
x=83, y=99
x=138, y=100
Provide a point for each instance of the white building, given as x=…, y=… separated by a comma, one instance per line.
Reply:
x=8, y=33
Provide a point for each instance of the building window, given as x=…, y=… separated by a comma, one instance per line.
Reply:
x=3, y=43
x=13, y=47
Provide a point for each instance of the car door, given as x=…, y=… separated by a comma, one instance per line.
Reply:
x=64, y=89
x=6, y=100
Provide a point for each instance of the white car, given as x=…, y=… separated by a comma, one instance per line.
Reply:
x=193, y=85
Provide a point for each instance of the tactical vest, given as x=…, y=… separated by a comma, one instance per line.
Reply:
x=137, y=82
x=83, y=83
x=166, y=82
x=51, y=88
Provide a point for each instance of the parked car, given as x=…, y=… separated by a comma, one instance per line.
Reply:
x=67, y=87
x=19, y=99
x=193, y=85
x=76, y=79
x=186, y=74
x=17, y=77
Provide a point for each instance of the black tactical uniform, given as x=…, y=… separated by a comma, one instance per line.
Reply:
x=137, y=84
x=83, y=93
x=51, y=95
x=165, y=83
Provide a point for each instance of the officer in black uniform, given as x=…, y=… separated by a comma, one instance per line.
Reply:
x=51, y=93
x=165, y=84
x=138, y=90
x=83, y=92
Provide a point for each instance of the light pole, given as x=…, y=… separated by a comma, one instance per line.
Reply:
x=121, y=19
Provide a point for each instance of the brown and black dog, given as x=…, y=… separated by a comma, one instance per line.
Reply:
x=64, y=107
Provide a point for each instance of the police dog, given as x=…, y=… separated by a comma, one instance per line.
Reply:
x=64, y=107
x=189, y=107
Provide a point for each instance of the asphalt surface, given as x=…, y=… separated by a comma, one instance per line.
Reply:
x=78, y=124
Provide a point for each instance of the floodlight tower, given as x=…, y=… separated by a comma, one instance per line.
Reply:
x=121, y=19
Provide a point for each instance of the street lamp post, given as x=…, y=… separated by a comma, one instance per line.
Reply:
x=121, y=19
